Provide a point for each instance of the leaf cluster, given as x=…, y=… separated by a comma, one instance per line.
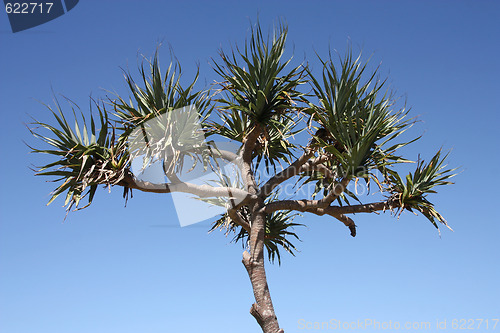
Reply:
x=259, y=90
x=85, y=155
x=411, y=192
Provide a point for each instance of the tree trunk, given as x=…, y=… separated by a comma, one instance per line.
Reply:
x=262, y=309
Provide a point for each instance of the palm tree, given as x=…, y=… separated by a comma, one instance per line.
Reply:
x=265, y=106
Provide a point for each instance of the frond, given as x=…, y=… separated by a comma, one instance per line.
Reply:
x=260, y=87
x=163, y=121
x=85, y=156
x=411, y=193
x=358, y=116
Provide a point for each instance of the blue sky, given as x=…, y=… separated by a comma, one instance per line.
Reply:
x=114, y=269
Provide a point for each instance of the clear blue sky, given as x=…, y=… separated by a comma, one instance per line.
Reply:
x=115, y=269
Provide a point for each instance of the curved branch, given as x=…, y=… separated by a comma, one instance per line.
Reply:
x=317, y=207
x=348, y=223
x=298, y=205
x=233, y=214
x=337, y=190
x=320, y=167
x=226, y=155
x=364, y=208
x=311, y=206
x=289, y=172
x=314, y=206
x=202, y=191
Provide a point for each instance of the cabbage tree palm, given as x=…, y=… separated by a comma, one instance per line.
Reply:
x=321, y=132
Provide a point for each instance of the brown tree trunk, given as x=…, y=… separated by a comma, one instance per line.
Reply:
x=262, y=309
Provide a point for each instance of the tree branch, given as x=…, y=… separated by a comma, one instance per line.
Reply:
x=202, y=191
x=246, y=156
x=226, y=155
x=364, y=208
x=337, y=190
x=233, y=214
x=311, y=206
x=348, y=223
x=314, y=206
x=298, y=205
x=320, y=167
x=338, y=212
x=289, y=172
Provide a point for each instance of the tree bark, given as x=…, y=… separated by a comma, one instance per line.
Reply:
x=262, y=309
